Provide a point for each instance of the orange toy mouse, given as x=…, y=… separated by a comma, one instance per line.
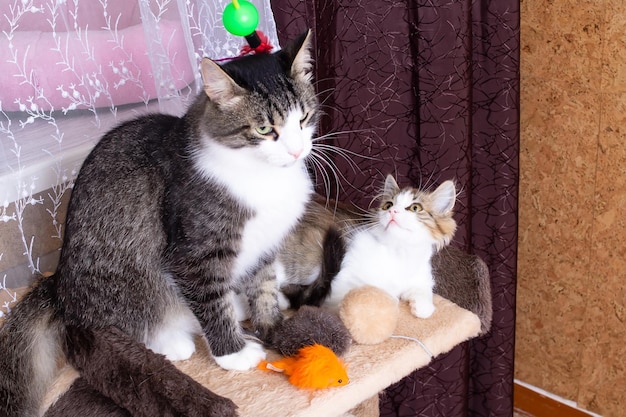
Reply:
x=313, y=367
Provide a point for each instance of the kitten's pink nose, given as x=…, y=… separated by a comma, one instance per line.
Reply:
x=296, y=154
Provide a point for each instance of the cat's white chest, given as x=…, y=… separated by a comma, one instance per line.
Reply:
x=369, y=261
x=278, y=205
x=276, y=196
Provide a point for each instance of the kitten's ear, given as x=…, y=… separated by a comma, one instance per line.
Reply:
x=444, y=197
x=299, y=53
x=218, y=85
x=391, y=186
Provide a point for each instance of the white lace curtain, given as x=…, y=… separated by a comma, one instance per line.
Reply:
x=70, y=70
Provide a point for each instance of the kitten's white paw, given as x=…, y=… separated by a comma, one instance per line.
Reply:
x=245, y=359
x=423, y=310
x=421, y=302
x=176, y=347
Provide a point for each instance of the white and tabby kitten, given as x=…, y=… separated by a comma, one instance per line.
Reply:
x=332, y=252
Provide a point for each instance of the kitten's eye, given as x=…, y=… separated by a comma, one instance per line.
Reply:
x=264, y=130
x=387, y=205
x=304, y=117
x=415, y=207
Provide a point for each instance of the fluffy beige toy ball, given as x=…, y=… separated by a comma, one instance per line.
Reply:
x=370, y=314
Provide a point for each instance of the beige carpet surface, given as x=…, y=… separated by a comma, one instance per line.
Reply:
x=371, y=369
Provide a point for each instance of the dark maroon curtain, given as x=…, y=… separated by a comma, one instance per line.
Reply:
x=429, y=90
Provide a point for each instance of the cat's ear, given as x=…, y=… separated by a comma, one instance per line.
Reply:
x=299, y=52
x=219, y=86
x=391, y=187
x=444, y=197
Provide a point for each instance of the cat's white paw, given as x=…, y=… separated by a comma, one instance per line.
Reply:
x=174, y=337
x=175, y=348
x=245, y=359
x=283, y=301
x=422, y=309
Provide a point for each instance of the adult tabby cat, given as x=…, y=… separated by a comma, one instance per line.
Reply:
x=333, y=251
x=168, y=217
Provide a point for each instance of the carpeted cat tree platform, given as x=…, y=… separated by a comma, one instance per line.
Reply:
x=459, y=277
x=371, y=369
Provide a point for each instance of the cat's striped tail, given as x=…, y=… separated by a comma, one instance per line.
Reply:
x=119, y=376
x=334, y=250
x=30, y=345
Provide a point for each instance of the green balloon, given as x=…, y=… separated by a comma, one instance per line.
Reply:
x=240, y=21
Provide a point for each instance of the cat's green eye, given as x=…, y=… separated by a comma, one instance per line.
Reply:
x=304, y=117
x=415, y=207
x=264, y=130
x=387, y=205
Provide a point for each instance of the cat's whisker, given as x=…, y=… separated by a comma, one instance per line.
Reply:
x=329, y=163
x=326, y=98
x=360, y=213
x=323, y=152
x=426, y=184
x=364, y=227
x=323, y=97
x=327, y=90
x=321, y=80
x=324, y=163
x=320, y=167
x=327, y=168
x=380, y=194
x=332, y=135
x=345, y=153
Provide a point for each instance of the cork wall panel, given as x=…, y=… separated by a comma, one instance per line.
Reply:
x=560, y=42
x=572, y=252
x=613, y=57
x=603, y=372
x=554, y=230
